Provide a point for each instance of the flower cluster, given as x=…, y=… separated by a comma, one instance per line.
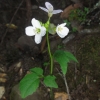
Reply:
x=39, y=30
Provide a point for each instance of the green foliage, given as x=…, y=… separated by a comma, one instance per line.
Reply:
x=79, y=14
x=29, y=84
x=37, y=71
x=52, y=29
x=73, y=29
x=63, y=58
x=45, y=63
x=68, y=23
x=70, y=56
x=60, y=46
x=47, y=24
x=49, y=81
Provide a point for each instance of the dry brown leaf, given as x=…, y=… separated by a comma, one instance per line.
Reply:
x=2, y=70
x=3, y=80
x=21, y=72
x=66, y=12
x=61, y=96
x=2, y=67
x=12, y=26
x=3, y=75
x=43, y=44
x=4, y=98
x=2, y=91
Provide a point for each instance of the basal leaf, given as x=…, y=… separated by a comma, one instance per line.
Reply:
x=37, y=70
x=49, y=81
x=29, y=84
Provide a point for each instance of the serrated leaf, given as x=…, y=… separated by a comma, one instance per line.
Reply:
x=70, y=56
x=60, y=56
x=29, y=84
x=64, y=68
x=37, y=70
x=63, y=57
x=49, y=81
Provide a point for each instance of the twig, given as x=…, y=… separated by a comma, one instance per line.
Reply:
x=11, y=22
x=67, y=88
x=29, y=10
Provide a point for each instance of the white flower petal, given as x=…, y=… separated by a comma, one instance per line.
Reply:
x=38, y=38
x=62, y=25
x=49, y=7
x=35, y=23
x=56, y=11
x=43, y=31
x=60, y=35
x=29, y=31
x=43, y=9
x=63, y=32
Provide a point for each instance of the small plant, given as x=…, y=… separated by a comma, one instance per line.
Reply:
x=31, y=81
x=79, y=14
x=73, y=29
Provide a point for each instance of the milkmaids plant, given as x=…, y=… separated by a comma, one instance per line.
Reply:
x=31, y=81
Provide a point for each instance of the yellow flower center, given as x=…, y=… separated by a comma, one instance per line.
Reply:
x=37, y=31
x=60, y=28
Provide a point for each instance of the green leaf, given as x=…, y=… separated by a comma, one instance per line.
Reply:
x=46, y=25
x=52, y=29
x=29, y=84
x=70, y=56
x=45, y=63
x=68, y=23
x=37, y=70
x=63, y=58
x=49, y=81
x=60, y=56
x=64, y=68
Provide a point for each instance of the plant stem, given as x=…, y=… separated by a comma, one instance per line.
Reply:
x=51, y=58
x=49, y=50
x=50, y=55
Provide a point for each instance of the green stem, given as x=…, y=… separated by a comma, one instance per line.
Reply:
x=51, y=58
x=49, y=50
x=50, y=55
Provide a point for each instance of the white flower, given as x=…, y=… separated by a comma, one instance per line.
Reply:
x=61, y=30
x=36, y=30
x=50, y=10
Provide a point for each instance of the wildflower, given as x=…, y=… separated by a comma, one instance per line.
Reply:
x=36, y=30
x=61, y=30
x=50, y=10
